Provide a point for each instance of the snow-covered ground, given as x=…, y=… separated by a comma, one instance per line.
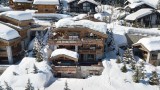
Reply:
x=17, y=76
x=111, y=79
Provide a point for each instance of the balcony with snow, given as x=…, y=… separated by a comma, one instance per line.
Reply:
x=65, y=63
x=148, y=49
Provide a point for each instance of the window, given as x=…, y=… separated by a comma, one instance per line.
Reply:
x=154, y=56
x=86, y=7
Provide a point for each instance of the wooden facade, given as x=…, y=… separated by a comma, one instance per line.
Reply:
x=84, y=7
x=46, y=8
x=151, y=20
x=88, y=43
x=21, y=5
x=22, y=23
x=152, y=57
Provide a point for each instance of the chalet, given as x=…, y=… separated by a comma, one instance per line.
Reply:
x=144, y=17
x=133, y=7
x=46, y=6
x=9, y=44
x=148, y=49
x=82, y=6
x=20, y=21
x=84, y=39
x=21, y=4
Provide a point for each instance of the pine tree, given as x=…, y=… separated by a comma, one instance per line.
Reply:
x=66, y=86
x=153, y=80
x=35, y=69
x=7, y=86
x=137, y=75
x=36, y=47
x=29, y=85
x=14, y=73
x=118, y=59
x=39, y=56
x=124, y=68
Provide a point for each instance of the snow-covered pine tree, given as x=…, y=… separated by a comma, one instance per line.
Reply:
x=124, y=68
x=14, y=73
x=7, y=87
x=118, y=59
x=1, y=88
x=36, y=47
x=142, y=71
x=66, y=86
x=137, y=75
x=29, y=86
x=39, y=56
x=154, y=80
x=35, y=69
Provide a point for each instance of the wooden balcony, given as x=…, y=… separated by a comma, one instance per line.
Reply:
x=14, y=52
x=65, y=42
x=3, y=54
x=92, y=41
x=64, y=69
x=77, y=42
x=89, y=51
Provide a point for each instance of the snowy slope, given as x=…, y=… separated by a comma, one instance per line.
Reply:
x=111, y=79
x=18, y=82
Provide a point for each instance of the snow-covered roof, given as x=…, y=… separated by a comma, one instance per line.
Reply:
x=4, y=8
x=8, y=33
x=138, y=14
x=134, y=5
x=91, y=1
x=46, y=2
x=70, y=1
x=24, y=1
x=152, y=3
x=151, y=43
x=65, y=52
x=18, y=15
x=69, y=22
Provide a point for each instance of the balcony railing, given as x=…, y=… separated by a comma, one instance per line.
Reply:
x=62, y=69
x=14, y=52
x=65, y=42
x=90, y=51
x=75, y=41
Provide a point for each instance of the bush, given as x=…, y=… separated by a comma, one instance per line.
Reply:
x=124, y=68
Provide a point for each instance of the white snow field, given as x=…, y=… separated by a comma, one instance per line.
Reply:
x=40, y=80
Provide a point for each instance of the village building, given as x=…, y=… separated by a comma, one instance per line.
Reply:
x=20, y=21
x=20, y=4
x=10, y=44
x=46, y=6
x=84, y=40
x=145, y=17
x=82, y=6
x=148, y=49
x=133, y=7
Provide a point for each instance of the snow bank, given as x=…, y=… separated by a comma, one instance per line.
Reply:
x=24, y=1
x=18, y=15
x=4, y=8
x=8, y=33
x=151, y=43
x=69, y=22
x=46, y=2
x=64, y=52
x=138, y=14
x=101, y=16
x=80, y=16
x=18, y=82
x=91, y=1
